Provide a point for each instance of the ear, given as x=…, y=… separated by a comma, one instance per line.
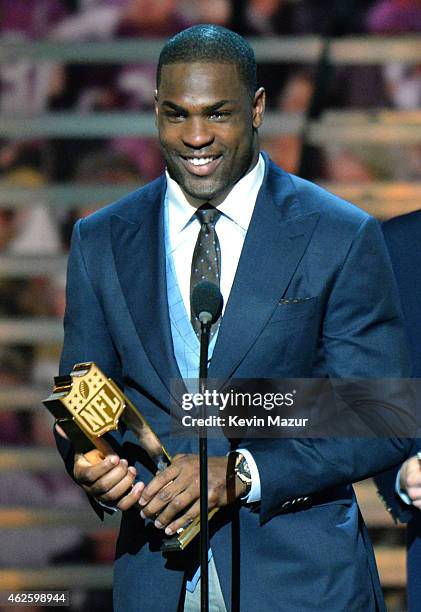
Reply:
x=259, y=103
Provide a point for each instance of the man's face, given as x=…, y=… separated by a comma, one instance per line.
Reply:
x=207, y=127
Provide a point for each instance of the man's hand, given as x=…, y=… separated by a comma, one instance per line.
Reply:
x=410, y=480
x=176, y=489
x=107, y=479
x=110, y=481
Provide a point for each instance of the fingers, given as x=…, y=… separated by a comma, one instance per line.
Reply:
x=413, y=485
x=184, y=520
x=169, y=490
x=87, y=473
x=414, y=493
x=161, y=480
x=131, y=498
x=172, y=498
x=111, y=487
x=167, y=513
x=413, y=479
x=110, y=481
x=410, y=480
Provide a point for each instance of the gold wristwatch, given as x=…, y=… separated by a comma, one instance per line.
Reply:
x=242, y=470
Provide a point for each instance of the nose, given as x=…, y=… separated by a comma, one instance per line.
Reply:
x=197, y=133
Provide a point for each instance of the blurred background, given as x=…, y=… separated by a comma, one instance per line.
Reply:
x=76, y=131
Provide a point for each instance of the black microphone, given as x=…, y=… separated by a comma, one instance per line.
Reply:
x=207, y=302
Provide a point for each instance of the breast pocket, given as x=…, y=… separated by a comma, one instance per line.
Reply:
x=294, y=308
x=288, y=344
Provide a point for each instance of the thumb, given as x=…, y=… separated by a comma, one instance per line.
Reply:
x=84, y=462
x=93, y=456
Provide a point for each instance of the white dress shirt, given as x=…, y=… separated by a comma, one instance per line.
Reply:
x=231, y=227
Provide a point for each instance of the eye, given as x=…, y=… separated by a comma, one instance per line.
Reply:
x=219, y=115
x=174, y=116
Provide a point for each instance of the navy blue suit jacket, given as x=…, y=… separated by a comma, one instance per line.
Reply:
x=302, y=243
x=403, y=239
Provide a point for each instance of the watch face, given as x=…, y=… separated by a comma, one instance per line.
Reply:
x=242, y=469
x=245, y=468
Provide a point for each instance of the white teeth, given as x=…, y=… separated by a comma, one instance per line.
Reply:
x=200, y=161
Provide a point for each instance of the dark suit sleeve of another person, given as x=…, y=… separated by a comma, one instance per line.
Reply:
x=362, y=337
x=403, y=239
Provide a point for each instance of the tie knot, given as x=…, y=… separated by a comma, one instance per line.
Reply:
x=207, y=214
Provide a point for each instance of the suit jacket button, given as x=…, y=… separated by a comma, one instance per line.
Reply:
x=286, y=505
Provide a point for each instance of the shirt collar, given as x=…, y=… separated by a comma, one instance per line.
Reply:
x=237, y=206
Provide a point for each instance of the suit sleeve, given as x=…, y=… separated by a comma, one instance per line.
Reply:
x=362, y=337
x=402, y=237
x=86, y=337
x=386, y=483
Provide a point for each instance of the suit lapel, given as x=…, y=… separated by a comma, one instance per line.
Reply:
x=276, y=240
x=139, y=254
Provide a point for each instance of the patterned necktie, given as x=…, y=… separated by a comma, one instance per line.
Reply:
x=206, y=261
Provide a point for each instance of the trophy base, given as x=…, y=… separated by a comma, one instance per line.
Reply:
x=182, y=538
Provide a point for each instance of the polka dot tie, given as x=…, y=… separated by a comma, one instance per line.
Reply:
x=206, y=261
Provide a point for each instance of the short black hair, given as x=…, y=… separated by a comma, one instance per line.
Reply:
x=214, y=44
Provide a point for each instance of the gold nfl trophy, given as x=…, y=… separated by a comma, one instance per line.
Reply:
x=87, y=405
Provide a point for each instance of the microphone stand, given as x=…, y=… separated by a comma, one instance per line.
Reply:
x=206, y=301
x=203, y=458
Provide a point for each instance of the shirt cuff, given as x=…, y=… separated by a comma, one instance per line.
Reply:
x=404, y=496
x=255, y=493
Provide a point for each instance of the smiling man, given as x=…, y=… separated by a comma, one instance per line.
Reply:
x=308, y=292
x=209, y=141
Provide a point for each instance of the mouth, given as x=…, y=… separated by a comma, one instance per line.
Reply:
x=201, y=165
